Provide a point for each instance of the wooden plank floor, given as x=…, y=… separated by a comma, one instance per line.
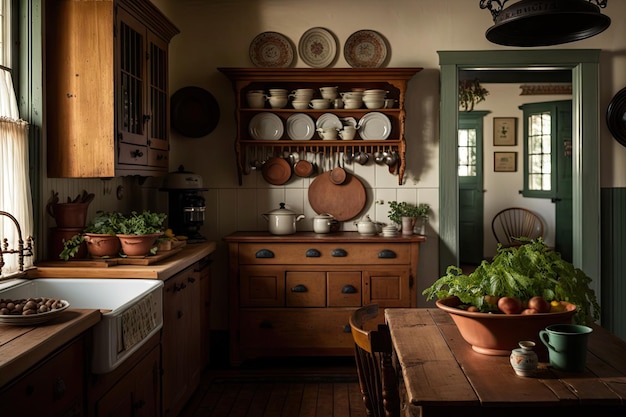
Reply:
x=300, y=390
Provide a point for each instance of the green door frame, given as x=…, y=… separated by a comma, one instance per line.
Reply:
x=584, y=64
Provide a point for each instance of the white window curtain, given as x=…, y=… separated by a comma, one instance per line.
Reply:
x=15, y=193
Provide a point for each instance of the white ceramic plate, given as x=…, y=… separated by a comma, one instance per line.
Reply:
x=366, y=49
x=271, y=50
x=266, y=126
x=300, y=126
x=329, y=121
x=33, y=318
x=374, y=126
x=317, y=48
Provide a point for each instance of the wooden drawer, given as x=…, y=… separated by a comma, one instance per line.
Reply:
x=158, y=158
x=324, y=253
x=285, y=329
x=261, y=286
x=344, y=289
x=132, y=154
x=305, y=289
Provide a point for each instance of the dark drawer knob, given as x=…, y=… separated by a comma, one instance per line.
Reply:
x=300, y=288
x=136, y=153
x=264, y=253
x=339, y=253
x=313, y=253
x=347, y=329
x=386, y=254
x=349, y=289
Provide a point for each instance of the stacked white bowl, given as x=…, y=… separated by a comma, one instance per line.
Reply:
x=256, y=99
x=390, y=231
x=374, y=99
x=278, y=98
x=301, y=98
x=352, y=99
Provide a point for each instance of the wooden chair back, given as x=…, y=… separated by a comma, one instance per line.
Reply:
x=373, y=353
x=513, y=223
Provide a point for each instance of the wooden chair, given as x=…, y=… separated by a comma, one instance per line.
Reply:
x=378, y=379
x=513, y=223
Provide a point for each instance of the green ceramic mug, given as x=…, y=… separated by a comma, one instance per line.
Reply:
x=567, y=346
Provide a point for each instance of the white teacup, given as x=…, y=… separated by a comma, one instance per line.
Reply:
x=256, y=99
x=328, y=133
x=329, y=93
x=352, y=103
x=278, y=92
x=278, y=102
x=320, y=103
x=347, y=133
x=300, y=104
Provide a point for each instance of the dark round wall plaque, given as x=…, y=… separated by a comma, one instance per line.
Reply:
x=616, y=117
x=194, y=112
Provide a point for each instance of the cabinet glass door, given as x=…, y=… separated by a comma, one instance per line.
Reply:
x=132, y=72
x=158, y=122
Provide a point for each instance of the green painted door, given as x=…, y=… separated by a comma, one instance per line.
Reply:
x=470, y=171
x=563, y=193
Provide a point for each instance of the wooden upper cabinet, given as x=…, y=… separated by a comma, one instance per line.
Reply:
x=107, y=96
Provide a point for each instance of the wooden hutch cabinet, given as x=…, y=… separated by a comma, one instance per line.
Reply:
x=293, y=295
x=393, y=80
x=107, y=98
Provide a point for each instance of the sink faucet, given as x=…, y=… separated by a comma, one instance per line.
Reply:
x=21, y=250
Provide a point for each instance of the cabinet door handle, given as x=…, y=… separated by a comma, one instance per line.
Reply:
x=347, y=329
x=179, y=314
x=146, y=118
x=191, y=280
x=59, y=389
x=313, y=253
x=264, y=253
x=349, y=289
x=339, y=253
x=136, y=153
x=386, y=254
x=300, y=288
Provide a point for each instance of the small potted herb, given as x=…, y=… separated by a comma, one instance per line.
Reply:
x=139, y=232
x=398, y=210
x=99, y=237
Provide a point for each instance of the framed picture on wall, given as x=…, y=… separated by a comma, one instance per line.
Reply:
x=504, y=131
x=505, y=161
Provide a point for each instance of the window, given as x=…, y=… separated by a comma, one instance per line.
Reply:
x=15, y=195
x=545, y=124
x=467, y=152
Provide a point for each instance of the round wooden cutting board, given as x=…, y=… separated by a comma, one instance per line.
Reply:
x=343, y=202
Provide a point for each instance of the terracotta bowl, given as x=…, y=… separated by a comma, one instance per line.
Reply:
x=499, y=334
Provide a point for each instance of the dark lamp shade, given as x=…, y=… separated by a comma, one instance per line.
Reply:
x=530, y=23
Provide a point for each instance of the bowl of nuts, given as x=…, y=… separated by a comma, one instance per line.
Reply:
x=29, y=311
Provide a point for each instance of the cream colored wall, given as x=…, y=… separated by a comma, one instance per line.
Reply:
x=217, y=33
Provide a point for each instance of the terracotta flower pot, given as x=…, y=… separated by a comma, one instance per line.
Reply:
x=100, y=245
x=138, y=245
x=499, y=334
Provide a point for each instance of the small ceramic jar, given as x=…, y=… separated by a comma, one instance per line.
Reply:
x=523, y=359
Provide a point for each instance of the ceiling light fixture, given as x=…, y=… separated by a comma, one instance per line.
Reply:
x=544, y=22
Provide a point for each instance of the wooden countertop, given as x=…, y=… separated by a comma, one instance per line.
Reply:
x=22, y=347
x=190, y=254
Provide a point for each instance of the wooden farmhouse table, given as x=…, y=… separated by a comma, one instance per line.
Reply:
x=445, y=377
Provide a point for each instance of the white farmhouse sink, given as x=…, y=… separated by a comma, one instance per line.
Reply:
x=132, y=311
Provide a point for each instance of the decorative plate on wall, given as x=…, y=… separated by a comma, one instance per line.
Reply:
x=616, y=116
x=194, y=112
x=318, y=48
x=271, y=50
x=366, y=49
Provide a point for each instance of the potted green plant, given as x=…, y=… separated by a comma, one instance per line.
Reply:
x=99, y=237
x=398, y=210
x=139, y=232
x=471, y=93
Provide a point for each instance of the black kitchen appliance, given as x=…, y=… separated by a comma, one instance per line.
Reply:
x=186, y=204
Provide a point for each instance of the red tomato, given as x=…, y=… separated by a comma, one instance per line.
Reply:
x=540, y=304
x=510, y=305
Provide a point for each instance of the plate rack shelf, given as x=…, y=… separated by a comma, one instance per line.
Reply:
x=393, y=80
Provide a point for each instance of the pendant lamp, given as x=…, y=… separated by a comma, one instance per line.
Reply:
x=544, y=22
